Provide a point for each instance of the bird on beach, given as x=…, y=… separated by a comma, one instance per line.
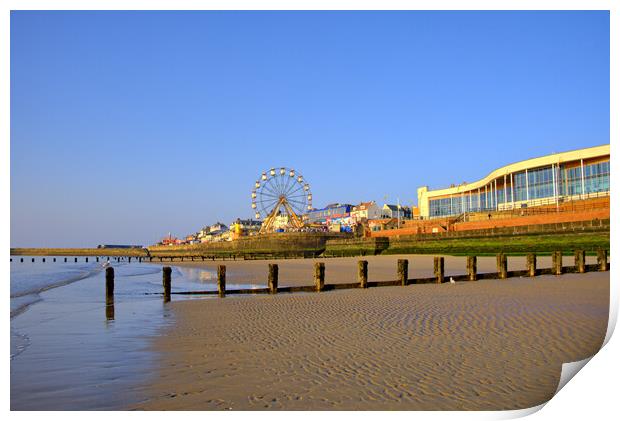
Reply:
x=452, y=280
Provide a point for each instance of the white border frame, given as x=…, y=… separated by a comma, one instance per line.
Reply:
x=593, y=394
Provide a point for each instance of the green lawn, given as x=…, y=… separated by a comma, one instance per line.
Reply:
x=512, y=245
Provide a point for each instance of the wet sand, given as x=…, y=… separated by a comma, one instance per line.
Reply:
x=486, y=345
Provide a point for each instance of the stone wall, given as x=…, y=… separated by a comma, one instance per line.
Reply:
x=294, y=244
x=485, y=230
x=356, y=247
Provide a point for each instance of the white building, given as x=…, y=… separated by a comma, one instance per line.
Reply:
x=365, y=210
x=393, y=211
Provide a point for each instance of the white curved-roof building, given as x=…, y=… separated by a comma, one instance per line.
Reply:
x=578, y=174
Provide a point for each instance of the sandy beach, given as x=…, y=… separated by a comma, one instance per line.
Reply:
x=486, y=345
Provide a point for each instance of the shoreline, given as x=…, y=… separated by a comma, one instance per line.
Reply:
x=74, y=350
x=485, y=345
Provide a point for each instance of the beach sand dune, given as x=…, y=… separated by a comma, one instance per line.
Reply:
x=486, y=345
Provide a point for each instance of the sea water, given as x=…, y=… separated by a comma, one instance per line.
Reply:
x=72, y=350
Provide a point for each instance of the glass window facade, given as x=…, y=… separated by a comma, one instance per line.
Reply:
x=536, y=183
x=596, y=177
x=520, y=186
x=540, y=183
x=572, y=182
x=465, y=202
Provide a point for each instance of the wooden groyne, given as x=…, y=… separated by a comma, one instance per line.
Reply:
x=402, y=278
x=119, y=252
x=80, y=259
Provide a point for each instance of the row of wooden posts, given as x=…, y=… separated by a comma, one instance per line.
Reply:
x=402, y=274
x=75, y=259
x=163, y=258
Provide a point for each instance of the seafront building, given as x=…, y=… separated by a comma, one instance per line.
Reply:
x=365, y=211
x=552, y=179
x=244, y=227
x=334, y=212
x=395, y=211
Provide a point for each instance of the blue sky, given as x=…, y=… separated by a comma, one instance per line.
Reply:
x=127, y=125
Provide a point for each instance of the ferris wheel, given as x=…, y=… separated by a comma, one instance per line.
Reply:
x=281, y=191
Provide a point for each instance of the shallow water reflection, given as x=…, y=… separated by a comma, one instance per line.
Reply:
x=76, y=349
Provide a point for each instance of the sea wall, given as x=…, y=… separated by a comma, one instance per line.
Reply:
x=543, y=243
x=293, y=244
x=356, y=247
x=597, y=224
x=587, y=235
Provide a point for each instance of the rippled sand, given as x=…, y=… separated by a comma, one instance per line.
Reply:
x=485, y=345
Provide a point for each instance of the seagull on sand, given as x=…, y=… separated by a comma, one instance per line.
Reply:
x=452, y=280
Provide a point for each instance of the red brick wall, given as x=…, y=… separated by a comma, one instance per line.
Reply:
x=549, y=218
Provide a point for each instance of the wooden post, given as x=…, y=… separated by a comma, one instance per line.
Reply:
x=167, y=281
x=531, y=264
x=272, y=278
x=438, y=269
x=319, y=276
x=556, y=262
x=109, y=307
x=472, y=268
x=601, y=258
x=362, y=273
x=402, y=271
x=502, y=266
x=109, y=281
x=580, y=261
x=221, y=280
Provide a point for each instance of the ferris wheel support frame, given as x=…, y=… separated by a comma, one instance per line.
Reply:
x=268, y=223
